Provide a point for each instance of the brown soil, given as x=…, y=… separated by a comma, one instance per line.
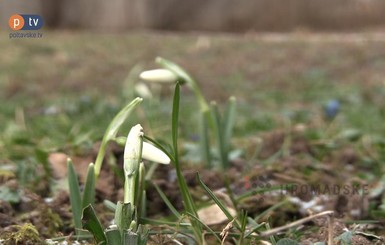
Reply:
x=295, y=166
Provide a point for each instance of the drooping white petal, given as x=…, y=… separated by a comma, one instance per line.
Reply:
x=143, y=91
x=159, y=75
x=133, y=149
x=151, y=153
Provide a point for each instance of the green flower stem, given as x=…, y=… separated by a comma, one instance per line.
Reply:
x=185, y=78
x=129, y=189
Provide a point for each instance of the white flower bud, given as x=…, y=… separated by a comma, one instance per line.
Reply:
x=133, y=150
x=159, y=76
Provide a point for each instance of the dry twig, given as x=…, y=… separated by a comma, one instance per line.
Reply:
x=299, y=222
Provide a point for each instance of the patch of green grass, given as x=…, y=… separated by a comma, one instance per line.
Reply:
x=67, y=84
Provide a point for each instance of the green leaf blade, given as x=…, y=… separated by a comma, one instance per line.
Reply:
x=229, y=121
x=175, y=118
x=89, y=187
x=112, y=130
x=217, y=201
x=205, y=138
x=220, y=138
x=167, y=202
x=91, y=223
x=75, y=196
x=186, y=196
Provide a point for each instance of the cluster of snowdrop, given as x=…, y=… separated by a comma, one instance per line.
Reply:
x=127, y=227
x=212, y=123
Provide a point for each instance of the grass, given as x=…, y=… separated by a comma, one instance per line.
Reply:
x=83, y=80
x=63, y=96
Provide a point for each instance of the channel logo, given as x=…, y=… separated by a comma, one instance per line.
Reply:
x=25, y=22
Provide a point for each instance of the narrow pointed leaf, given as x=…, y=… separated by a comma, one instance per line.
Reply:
x=92, y=224
x=243, y=227
x=75, y=196
x=218, y=202
x=228, y=122
x=167, y=201
x=206, y=226
x=89, y=187
x=112, y=130
x=258, y=190
x=147, y=221
x=175, y=118
x=205, y=139
x=220, y=137
x=110, y=205
x=253, y=228
x=186, y=196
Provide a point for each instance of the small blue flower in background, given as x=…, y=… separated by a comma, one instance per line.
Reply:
x=332, y=108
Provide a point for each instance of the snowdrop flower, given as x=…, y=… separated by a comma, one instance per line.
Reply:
x=134, y=150
x=159, y=76
x=153, y=154
x=143, y=91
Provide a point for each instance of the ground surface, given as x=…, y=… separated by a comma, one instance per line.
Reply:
x=59, y=93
